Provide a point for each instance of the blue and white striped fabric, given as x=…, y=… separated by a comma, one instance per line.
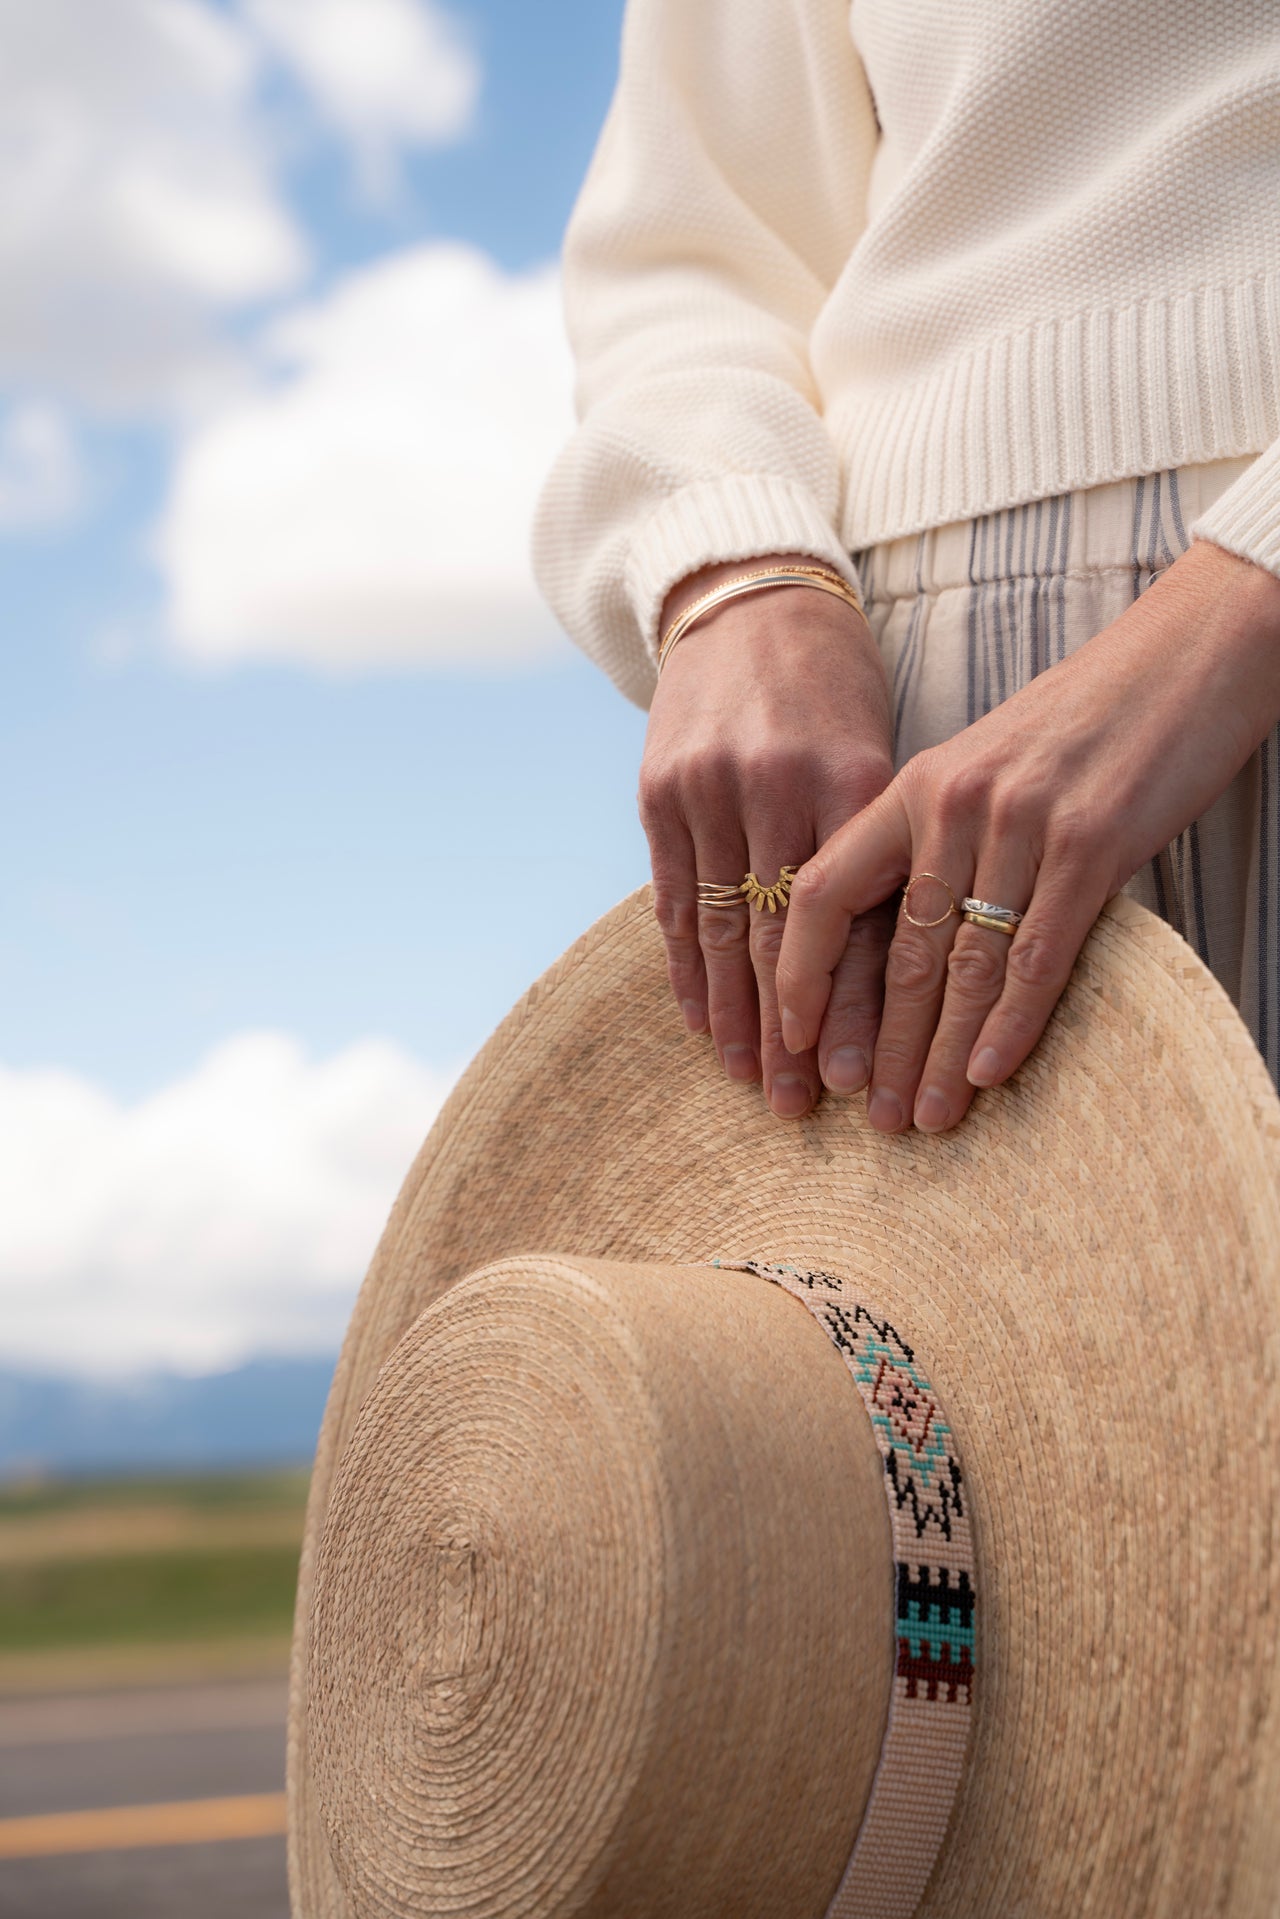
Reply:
x=966, y=614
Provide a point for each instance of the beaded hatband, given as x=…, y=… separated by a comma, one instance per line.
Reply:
x=922, y=1757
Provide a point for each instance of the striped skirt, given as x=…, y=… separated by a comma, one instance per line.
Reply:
x=966, y=614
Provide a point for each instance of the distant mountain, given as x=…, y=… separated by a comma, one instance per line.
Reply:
x=264, y=1413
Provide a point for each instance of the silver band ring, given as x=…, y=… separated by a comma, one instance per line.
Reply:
x=991, y=912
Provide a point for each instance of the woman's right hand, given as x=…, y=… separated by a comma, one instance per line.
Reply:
x=768, y=730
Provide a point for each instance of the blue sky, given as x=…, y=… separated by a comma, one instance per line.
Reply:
x=349, y=853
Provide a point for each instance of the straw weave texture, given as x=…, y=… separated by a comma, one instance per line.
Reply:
x=1090, y=1268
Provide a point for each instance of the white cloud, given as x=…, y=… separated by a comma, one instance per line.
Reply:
x=41, y=481
x=233, y=1211
x=136, y=195
x=373, y=506
x=383, y=73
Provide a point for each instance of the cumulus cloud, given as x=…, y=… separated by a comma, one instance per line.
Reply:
x=385, y=74
x=137, y=195
x=41, y=480
x=371, y=504
x=140, y=189
x=233, y=1211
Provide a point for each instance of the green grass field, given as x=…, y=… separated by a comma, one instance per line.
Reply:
x=157, y=1562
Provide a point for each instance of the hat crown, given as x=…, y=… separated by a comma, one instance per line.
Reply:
x=605, y=1593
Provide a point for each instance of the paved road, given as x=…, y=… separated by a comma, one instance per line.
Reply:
x=192, y=1744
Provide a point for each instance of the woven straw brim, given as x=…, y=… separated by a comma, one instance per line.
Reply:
x=1089, y=1267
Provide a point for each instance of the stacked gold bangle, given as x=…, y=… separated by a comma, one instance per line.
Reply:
x=821, y=578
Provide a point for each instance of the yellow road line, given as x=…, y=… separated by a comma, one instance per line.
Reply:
x=180, y=1822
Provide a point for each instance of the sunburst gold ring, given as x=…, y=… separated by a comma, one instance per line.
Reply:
x=915, y=880
x=771, y=896
x=749, y=891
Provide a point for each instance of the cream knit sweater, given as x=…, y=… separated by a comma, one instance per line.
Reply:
x=837, y=274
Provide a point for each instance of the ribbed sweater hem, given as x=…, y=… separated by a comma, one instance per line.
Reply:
x=1066, y=404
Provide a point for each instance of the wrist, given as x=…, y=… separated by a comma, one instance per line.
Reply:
x=758, y=582
x=1235, y=603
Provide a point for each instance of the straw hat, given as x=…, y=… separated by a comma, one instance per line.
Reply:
x=598, y=1612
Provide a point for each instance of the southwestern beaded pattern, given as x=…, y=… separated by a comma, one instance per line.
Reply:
x=935, y=1601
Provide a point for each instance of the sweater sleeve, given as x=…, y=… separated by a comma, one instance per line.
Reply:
x=723, y=201
x=1246, y=518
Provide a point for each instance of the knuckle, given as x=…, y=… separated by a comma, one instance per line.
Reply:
x=777, y=766
x=766, y=936
x=976, y=965
x=867, y=781
x=723, y=933
x=850, y=1016
x=658, y=791
x=1075, y=838
x=1018, y=1029
x=697, y=775
x=869, y=936
x=959, y=789
x=913, y=968
x=677, y=916
x=1034, y=961
x=1014, y=810
x=895, y=1067
x=707, y=777
x=810, y=886
x=845, y=796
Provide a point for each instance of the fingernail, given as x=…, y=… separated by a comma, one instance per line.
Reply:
x=985, y=1069
x=695, y=1015
x=932, y=1111
x=848, y=1070
x=740, y=1062
x=790, y=1096
x=792, y=1032
x=885, y=1111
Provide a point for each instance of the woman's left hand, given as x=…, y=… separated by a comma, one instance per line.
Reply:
x=1049, y=804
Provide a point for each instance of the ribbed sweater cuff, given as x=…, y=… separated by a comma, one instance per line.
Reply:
x=740, y=517
x=1246, y=518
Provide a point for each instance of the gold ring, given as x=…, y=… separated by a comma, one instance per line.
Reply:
x=749, y=892
x=771, y=896
x=992, y=924
x=712, y=894
x=915, y=880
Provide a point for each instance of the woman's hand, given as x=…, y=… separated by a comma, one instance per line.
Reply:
x=1048, y=804
x=768, y=730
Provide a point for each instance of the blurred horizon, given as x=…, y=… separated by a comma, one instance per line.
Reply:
x=306, y=787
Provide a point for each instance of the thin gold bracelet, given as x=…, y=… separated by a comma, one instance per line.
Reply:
x=819, y=577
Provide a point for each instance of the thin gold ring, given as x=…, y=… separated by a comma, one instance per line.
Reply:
x=710, y=893
x=915, y=880
x=992, y=924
